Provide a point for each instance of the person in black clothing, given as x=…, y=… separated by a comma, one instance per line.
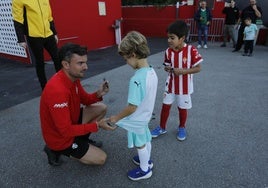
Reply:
x=253, y=12
x=231, y=17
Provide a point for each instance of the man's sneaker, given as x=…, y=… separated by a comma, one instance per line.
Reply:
x=205, y=46
x=52, y=157
x=136, y=161
x=157, y=132
x=181, y=135
x=199, y=46
x=244, y=54
x=95, y=143
x=138, y=174
x=223, y=45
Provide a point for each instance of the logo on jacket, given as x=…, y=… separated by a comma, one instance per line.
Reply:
x=62, y=105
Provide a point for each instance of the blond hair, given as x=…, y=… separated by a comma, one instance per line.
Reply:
x=134, y=42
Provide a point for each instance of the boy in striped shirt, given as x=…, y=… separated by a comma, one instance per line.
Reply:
x=181, y=62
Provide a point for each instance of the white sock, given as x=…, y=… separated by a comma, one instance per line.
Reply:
x=149, y=148
x=144, y=158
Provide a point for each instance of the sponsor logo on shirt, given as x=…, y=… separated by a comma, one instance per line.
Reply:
x=62, y=105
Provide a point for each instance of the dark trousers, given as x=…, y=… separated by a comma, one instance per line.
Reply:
x=240, y=37
x=248, y=46
x=202, y=29
x=37, y=46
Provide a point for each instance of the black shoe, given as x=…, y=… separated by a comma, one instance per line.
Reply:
x=95, y=143
x=244, y=54
x=235, y=50
x=53, y=158
x=223, y=45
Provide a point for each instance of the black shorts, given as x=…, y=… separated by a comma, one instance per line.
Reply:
x=80, y=145
x=78, y=149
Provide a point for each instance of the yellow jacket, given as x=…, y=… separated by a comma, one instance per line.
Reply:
x=32, y=18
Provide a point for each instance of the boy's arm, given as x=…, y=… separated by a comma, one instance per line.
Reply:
x=178, y=71
x=130, y=109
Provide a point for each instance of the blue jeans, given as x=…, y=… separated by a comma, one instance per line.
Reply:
x=202, y=29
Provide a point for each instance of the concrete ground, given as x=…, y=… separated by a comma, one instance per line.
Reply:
x=227, y=132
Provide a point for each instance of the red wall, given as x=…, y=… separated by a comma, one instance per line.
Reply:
x=153, y=21
x=81, y=19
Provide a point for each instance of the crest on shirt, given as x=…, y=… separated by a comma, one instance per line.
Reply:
x=184, y=60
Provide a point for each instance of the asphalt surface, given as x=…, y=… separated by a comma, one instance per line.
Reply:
x=227, y=130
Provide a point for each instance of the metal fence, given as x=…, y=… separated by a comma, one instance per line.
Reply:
x=215, y=31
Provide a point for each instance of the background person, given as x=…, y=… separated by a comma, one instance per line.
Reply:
x=33, y=19
x=250, y=34
x=253, y=12
x=231, y=17
x=203, y=18
x=66, y=125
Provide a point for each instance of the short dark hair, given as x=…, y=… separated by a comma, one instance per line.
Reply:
x=67, y=50
x=178, y=28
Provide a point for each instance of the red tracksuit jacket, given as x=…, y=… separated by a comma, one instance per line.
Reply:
x=59, y=111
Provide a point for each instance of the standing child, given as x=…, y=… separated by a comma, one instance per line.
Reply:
x=181, y=62
x=141, y=98
x=250, y=34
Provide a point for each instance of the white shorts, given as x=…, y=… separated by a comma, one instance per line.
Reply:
x=183, y=101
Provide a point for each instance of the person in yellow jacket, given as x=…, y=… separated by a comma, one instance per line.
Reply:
x=33, y=19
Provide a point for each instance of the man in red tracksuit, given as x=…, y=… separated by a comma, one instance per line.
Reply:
x=65, y=124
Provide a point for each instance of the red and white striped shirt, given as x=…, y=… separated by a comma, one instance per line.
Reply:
x=185, y=58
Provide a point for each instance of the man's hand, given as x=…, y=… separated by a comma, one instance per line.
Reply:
x=254, y=7
x=104, y=88
x=23, y=44
x=104, y=125
x=56, y=38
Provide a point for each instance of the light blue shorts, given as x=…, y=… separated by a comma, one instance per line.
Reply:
x=139, y=140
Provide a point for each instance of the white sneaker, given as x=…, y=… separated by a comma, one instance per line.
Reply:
x=205, y=46
x=199, y=46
